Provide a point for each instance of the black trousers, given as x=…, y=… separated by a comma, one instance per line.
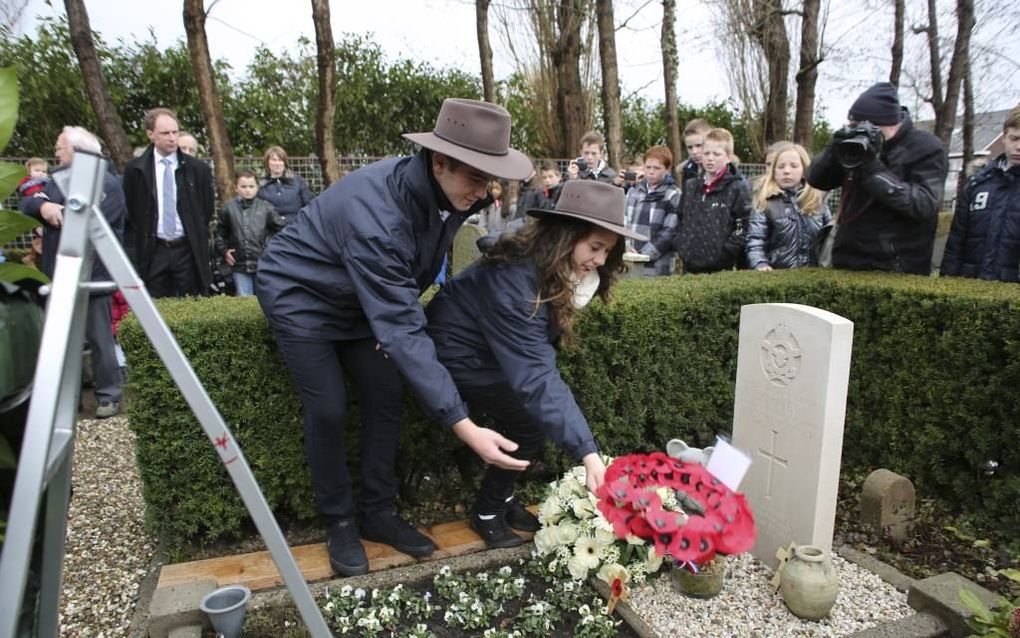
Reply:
x=173, y=271
x=512, y=421
x=318, y=368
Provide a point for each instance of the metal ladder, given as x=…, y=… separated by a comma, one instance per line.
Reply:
x=47, y=450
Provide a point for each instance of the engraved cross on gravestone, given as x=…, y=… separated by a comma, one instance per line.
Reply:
x=793, y=367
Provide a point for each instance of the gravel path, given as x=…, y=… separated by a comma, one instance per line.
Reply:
x=748, y=607
x=108, y=551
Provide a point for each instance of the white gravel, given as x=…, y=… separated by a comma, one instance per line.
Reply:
x=108, y=551
x=748, y=606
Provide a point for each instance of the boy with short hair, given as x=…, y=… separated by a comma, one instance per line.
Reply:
x=694, y=134
x=652, y=205
x=243, y=227
x=35, y=181
x=714, y=209
x=984, y=240
x=593, y=159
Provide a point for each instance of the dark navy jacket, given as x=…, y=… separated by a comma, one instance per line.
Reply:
x=112, y=205
x=288, y=194
x=984, y=240
x=487, y=331
x=353, y=263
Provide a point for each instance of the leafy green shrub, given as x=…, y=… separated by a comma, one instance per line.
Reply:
x=936, y=365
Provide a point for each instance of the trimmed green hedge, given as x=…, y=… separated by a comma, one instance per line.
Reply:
x=934, y=389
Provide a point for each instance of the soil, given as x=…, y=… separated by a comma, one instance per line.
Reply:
x=942, y=541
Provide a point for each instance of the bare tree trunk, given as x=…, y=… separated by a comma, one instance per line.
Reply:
x=327, y=88
x=484, y=49
x=807, y=74
x=945, y=118
x=565, y=54
x=968, y=127
x=899, y=13
x=770, y=31
x=934, y=56
x=669, y=73
x=111, y=129
x=611, y=116
x=212, y=110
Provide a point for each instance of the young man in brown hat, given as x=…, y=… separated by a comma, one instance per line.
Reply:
x=340, y=287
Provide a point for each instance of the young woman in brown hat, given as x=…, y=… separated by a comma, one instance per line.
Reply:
x=496, y=325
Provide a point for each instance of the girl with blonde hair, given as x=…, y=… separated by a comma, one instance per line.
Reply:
x=786, y=213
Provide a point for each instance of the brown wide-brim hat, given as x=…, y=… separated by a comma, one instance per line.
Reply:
x=595, y=202
x=478, y=134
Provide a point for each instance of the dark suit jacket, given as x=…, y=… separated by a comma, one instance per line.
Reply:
x=196, y=204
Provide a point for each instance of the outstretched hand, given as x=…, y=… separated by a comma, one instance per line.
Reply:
x=595, y=471
x=490, y=445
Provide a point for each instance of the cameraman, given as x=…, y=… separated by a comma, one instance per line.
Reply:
x=892, y=175
x=591, y=164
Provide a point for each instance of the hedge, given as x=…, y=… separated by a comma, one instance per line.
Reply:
x=934, y=389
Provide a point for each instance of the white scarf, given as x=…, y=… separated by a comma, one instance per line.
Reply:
x=584, y=289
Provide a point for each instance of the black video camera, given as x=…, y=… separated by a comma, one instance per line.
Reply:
x=582, y=165
x=855, y=144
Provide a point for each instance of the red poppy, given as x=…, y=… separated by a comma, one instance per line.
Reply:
x=617, y=587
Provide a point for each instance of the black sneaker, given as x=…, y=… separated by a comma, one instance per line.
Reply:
x=346, y=553
x=495, y=532
x=518, y=517
x=388, y=528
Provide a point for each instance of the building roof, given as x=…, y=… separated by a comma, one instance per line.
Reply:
x=987, y=131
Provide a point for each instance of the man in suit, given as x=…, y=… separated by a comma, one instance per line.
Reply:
x=170, y=202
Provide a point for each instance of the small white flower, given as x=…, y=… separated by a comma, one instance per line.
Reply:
x=359, y=593
x=505, y=570
x=578, y=568
x=587, y=551
x=445, y=570
x=482, y=577
x=583, y=508
x=346, y=590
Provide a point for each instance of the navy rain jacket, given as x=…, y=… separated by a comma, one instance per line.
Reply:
x=984, y=240
x=288, y=194
x=487, y=331
x=353, y=263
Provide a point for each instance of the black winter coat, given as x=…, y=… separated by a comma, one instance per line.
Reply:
x=781, y=236
x=890, y=206
x=288, y=194
x=711, y=232
x=487, y=331
x=353, y=263
x=984, y=240
x=112, y=205
x=245, y=226
x=196, y=205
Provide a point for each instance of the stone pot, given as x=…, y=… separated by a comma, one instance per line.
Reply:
x=809, y=583
x=708, y=582
x=225, y=608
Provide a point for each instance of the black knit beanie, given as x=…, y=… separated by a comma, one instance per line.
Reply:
x=879, y=105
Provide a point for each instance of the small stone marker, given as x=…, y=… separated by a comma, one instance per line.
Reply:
x=888, y=501
x=793, y=367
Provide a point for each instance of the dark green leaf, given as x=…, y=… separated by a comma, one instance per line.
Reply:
x=10, y=175
x=7, y=458
x=14, y=273
x=13, y=225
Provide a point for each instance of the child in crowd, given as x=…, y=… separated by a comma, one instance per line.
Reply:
x=713, y=210
x=243, y=227
x=35, y=181
x=694, y=134
x=786, y=213
x=494, y=217
x=652, y=206
x=545, y=190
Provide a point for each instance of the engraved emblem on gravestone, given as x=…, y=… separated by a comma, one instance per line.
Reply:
x=780, y=356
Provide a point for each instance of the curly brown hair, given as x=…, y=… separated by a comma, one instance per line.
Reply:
x=549, y=242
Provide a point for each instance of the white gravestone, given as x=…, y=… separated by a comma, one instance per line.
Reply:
x=793, y=366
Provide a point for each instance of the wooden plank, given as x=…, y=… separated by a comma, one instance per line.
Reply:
x=257, y=570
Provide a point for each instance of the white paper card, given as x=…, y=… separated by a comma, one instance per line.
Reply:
x=728, y=464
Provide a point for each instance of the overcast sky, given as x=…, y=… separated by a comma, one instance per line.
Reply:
x=442, y=32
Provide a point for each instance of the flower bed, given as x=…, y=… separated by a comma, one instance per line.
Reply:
x=511, y=601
